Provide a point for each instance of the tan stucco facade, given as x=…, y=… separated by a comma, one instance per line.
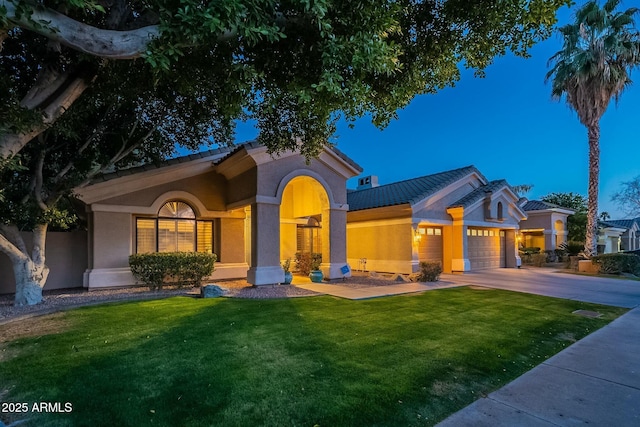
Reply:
x=545, y=229
x=392, y=239
x=253, y=200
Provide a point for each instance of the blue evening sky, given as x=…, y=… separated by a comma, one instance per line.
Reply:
x=505, y=124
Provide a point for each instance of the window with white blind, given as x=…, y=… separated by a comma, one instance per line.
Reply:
x=176, y=229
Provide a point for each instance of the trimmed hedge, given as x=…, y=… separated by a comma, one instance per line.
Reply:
x=175, y=268
x=429, y=271
x=618, y=263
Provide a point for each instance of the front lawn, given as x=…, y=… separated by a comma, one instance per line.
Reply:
x=405, y=360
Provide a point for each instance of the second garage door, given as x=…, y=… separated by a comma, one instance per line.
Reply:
x=430, y=248
x=485, y=248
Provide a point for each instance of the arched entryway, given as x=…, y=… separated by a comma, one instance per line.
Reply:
x=304, y=218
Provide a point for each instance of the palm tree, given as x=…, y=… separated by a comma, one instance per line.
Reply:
x=599, y=51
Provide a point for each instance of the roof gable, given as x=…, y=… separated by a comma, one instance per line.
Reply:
x=408, y=191
x=479, y=193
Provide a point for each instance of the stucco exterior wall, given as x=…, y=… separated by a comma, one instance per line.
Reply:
x=270, y=175
x=209, y=188
x=112, y=241
x=231, y=240
x=438, y=209
x=66, y=257
x=536, y=221
x=387, y=247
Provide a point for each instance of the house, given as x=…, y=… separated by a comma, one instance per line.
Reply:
x=545, y=226
x=628, y=240
x=457, y=218
x=254, y=211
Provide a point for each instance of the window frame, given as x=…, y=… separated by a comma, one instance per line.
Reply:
x=197, y=222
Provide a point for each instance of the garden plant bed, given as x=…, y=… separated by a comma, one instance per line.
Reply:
x=296, y=361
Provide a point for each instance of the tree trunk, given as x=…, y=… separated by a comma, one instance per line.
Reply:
x=30, y=272
x=30, y=279
x=591, y=240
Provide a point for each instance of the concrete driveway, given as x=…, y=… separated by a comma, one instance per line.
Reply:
x=553, y=283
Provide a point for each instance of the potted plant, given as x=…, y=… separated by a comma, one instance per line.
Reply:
x=316, y=275
x=286, y=266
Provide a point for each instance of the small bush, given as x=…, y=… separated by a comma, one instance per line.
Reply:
x=530, y=251
x=306, y=261
x=572, y=248
x=539, y=260
x=618, y=263
x=177, y=268
x=429, y=271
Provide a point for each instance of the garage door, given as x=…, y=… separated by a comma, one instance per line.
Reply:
x=485, y=248
x=430, y=248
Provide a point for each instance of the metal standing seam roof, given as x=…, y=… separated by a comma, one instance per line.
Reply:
x=408, y=191
x=480, y=193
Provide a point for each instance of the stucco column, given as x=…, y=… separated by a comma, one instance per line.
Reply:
x=460, y=259
x=415, y=246
x=549, y=240
x=265, y=245
x=334, y=243
x=511, y=250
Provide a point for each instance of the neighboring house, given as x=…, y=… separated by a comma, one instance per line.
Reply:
x=254, y=211
x=545, y=226
x=629, y=240
x=457, y=218
x=610, y=236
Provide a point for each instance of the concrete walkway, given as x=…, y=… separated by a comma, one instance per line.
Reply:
x=353, y=293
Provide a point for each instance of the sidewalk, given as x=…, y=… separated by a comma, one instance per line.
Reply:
x=353, y=293
x=595, y=381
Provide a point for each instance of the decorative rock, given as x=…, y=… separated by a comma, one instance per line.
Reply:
x=211, y=291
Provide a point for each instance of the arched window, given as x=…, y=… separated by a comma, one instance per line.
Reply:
x=175, y=229
x=500, y=214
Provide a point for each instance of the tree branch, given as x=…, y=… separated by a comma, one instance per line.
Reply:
x=37, y=191
x=85, y=38
x=65, y=89
x=12, y=243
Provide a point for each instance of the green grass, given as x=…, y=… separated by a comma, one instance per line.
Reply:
x=405, y=360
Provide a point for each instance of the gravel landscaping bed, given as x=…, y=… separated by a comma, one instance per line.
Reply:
x=56, y=300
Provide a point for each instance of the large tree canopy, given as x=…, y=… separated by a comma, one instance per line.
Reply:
x=293, y=66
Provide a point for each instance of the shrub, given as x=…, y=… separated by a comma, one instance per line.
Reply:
x=429, y=271
x=618, y=263
x=178, y=268
x=306, y=261
x=530, y=251
x=572, y=248
x=539, y=260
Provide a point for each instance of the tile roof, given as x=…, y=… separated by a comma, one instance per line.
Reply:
x=539, y=205
x=623, y=223
x=408, y=191
x=612, y=224
x=480, y=193
x=221, y=153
